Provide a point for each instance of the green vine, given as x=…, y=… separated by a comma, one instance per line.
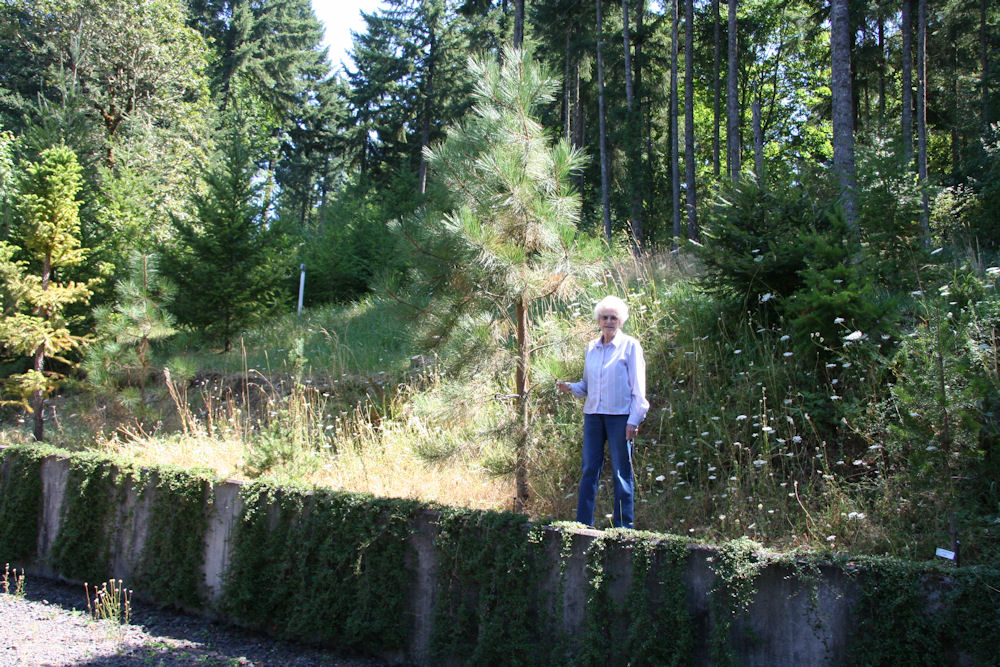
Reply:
x=973, y=620
x=660, y=632
x=323, y=566
x=170, y=569
x=339, y=569
x=654, y=626
x=20, y=501
x=806, y=570
x=736, y=565
x=912, y=613
x=600, y=621
x=95, y=487
x=487, y=604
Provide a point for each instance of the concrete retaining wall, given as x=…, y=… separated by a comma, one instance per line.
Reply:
x=789, y=622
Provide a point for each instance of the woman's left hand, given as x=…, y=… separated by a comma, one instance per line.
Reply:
x=630, y=431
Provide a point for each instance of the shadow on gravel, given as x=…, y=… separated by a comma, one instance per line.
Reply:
x=168, y=638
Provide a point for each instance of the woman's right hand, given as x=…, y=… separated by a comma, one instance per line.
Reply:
x=563, y=386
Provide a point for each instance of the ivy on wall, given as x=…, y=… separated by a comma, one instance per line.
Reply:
x=917, y=614
x=736, y=564
x=660, y=631
x=170, y=570
x=93, y=515
x=327, y=567
x=653, y=626
x=339, y=569
x=487, y=604
x=20, y=501
x=95, y=488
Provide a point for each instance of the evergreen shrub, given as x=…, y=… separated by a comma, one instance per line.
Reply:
x=753, y=255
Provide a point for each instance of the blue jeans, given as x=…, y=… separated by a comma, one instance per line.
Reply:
x=597, y=429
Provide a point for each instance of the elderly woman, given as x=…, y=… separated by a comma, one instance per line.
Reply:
x=614, y=389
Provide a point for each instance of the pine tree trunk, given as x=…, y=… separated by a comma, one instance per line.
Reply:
x=907, y=76
x=881, y=70
x=843, y=120
x=922, y=114
x=984, y=57
x=955, y=133
x=643, y=132
x=692, y=211
x=758, y=141
x=602, y=129
x=578, y=111
x=518, y=23
x=579, y=122
x=629, y=93
x=716, y=91
x=37, y=398
x=732, y=99
x=521, y=383
x=675, y=175
x=634, y=178
x=425, y=123
x=567, y=87
x=38, y=363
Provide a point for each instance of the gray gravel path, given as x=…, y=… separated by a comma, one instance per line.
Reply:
x=46, y=628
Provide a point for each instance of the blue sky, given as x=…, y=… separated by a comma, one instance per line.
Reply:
x=340, y=17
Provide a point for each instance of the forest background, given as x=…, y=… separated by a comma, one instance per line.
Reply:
x=798, y=200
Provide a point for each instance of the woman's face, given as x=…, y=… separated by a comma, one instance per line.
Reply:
x=608, y=321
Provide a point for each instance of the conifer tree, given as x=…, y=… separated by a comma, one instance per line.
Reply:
x=516, y=213
x=34, y=322
x=229, y=264
x=120, y=360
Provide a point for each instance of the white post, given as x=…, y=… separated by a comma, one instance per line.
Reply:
x=302, y=285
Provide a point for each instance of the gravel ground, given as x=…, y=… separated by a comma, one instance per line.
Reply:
x=45, y=627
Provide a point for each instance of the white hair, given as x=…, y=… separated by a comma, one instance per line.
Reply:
x=611, y=304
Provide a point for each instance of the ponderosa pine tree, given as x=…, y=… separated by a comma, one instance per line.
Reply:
x=229, y=265
x=120, y=361
x=34, y=321
x=516, y=212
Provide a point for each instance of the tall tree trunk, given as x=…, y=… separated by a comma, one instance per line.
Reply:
x=758, y=140
x=881, y=69
x=629, y=93
x=567, y=86
x=38, y=362
x=984, y=57
x=602, y=129
x=425, y=123
x=578, y=111
x=732, y=99
x=843, y=125
x=37, y=398
x=521, y=384
x=716, y=90
x=675, y=175
x=635, y=164
x=643, y=111
x=907, y=75
x=955, y=133
x=922, y=114
x=518, y=23
x=692, y=211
